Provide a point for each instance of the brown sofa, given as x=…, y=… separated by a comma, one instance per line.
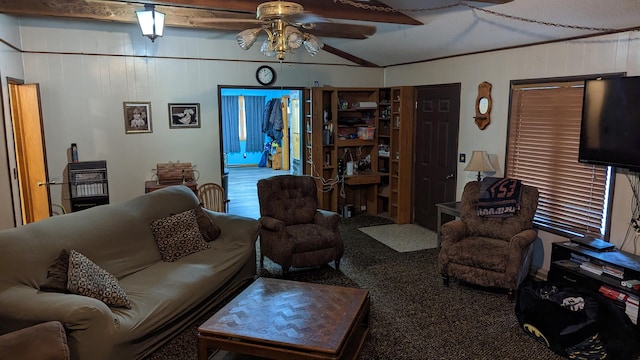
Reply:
x=165, y=297
x=489, y=251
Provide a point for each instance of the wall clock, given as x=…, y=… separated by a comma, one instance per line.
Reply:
x=266, y=75
x=483, y=105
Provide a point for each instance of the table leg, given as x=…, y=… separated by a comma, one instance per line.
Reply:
x=202, y=350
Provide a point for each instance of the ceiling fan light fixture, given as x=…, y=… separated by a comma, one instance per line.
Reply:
x=281, y=26
x=294, y=37
x=247, y=38
x=268, y=49
x=151, y=22
x=312, y=44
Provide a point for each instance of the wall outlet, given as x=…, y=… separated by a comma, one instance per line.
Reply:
x=463, y=158
x=363, y=207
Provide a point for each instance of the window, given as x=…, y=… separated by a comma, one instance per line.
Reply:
x=242, y=119
x=542, y=151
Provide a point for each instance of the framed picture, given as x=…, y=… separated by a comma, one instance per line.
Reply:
x=137, y=117
x=184, y=116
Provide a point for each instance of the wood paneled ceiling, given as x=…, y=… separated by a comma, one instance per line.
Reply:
x=443, y=28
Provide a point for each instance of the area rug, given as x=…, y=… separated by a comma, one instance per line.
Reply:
x=403, y=237
x=413, y=315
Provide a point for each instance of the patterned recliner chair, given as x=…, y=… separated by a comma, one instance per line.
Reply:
x=295, y=233
x=489, y=251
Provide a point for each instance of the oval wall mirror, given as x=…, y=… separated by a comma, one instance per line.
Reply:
x=483, y=106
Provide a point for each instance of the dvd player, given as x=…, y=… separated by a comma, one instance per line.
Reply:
x=593, y=243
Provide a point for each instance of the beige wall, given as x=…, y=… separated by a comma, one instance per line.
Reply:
x=10, y=66
x=605, y=54
x=86, y=70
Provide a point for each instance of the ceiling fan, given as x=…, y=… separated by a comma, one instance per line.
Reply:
x=288, y=27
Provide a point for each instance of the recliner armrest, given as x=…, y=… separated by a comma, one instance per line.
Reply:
x=326, y=219
x=272, y=224
x=41, y=341
x=523, y=238
x=452, y=232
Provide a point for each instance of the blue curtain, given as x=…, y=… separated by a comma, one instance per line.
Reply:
x=230, y=133
x=254, y=110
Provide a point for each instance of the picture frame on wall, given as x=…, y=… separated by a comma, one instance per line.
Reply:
x=184, y=116
x=137, y=117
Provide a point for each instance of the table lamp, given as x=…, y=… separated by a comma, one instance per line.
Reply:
x=479, y=162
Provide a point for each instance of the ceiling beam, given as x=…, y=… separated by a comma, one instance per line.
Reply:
x=113, y=10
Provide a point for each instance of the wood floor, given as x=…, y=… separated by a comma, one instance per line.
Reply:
x=243, y=191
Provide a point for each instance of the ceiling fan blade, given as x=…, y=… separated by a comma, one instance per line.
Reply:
x=227, y=20
x=304, y=18
x=340, y=30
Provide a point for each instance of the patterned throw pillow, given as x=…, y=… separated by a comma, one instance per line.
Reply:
x=88, y=279
x=178, y=236
x=210, y=230
x=56, y=280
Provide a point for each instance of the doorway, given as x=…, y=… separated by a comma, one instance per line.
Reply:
x=435, y=167
x=244, y=161
x=30, y=152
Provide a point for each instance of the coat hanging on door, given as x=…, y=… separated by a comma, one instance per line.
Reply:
x=272, y=122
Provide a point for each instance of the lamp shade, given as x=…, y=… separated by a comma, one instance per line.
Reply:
x=151, y=22
x=247, y=37
x=479, y=162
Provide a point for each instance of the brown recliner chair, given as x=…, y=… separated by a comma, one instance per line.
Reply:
x=295, y=233
x=489, y=251
x=45, y=341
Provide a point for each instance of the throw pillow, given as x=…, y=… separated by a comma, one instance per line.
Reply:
x=178, y=236
x=209, y=229
x=88, y=279
x=56, y=280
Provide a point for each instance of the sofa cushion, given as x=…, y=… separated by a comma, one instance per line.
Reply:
x=88, y=279
x=209, y=229
x=178, y=235
x=56, y=280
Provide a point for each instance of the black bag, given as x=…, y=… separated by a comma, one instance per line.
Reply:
x=575, y=323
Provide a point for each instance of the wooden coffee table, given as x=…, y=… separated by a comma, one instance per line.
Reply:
x=283, y=319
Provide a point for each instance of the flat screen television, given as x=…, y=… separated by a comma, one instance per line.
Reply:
x=610, y=127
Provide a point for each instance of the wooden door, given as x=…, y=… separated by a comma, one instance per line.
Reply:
x=284, y=101
x=31, y=160
x=436, y=146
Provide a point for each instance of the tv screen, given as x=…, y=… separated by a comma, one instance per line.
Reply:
x=610, y=128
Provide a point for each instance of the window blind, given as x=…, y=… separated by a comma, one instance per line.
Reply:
x=542, y=151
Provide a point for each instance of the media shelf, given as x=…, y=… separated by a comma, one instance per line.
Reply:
x=566, y=260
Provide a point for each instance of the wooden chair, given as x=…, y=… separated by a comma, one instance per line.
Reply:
x=212, y=197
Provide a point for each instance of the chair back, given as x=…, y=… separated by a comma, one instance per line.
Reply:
x=497, y=227
x=212, y=197
x=290, y=198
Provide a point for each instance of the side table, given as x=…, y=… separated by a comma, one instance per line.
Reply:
x=449, y=208
x=152, y=185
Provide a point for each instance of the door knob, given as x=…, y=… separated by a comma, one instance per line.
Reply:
x=43, y=183
x=450, y=176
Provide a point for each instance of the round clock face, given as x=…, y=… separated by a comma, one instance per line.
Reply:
x=266, y=75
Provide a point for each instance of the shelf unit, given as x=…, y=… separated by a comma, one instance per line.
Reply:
x=320, y=154
x=566, y=271
x=396, y=133
x=381, y=185
x=88, y=186
x=342, y=157
x=384, y=148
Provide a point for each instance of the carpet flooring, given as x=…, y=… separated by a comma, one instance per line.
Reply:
x=403, y=237
x=413, y=316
